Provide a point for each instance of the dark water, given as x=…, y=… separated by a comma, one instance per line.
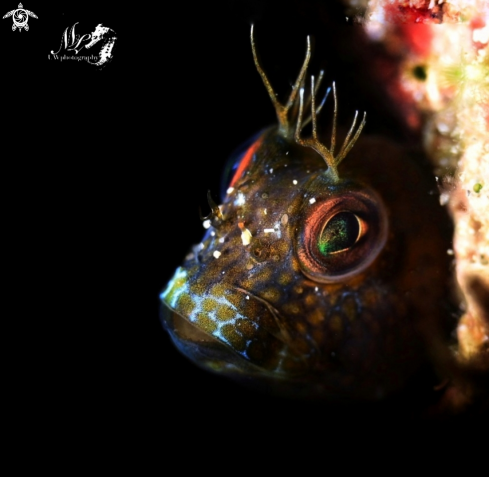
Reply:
x=113, y=207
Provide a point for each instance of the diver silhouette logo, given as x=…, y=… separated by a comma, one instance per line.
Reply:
x=20, y=17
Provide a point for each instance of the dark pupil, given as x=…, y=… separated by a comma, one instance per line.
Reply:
x=340, y=233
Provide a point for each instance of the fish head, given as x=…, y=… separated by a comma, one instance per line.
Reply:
x=315, y=277
x=306, y=285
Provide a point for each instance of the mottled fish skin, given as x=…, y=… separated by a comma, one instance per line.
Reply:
x=316, y=277
x=248, y=311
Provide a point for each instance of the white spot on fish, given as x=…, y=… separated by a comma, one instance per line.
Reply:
x=221, y=240
x=312, y=200
x=206, y=224
x=268, y=231
x=240, y=200
x=247, y=297
x=217, y=254
x=246, y=236
x=230, y=190
x=265, y=211
x=294, y=182
x=271, y=170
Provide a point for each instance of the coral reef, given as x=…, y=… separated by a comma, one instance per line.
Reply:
x=441, y=86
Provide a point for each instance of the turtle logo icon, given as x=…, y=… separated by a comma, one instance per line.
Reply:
x=20, y=18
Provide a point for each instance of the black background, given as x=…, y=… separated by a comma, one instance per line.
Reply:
x=105, y=171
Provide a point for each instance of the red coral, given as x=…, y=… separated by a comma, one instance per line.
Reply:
x=418, y=37
x=475, y=24
x=408, y=11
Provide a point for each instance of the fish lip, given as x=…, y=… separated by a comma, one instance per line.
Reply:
x=211, y=352
x=205, y=350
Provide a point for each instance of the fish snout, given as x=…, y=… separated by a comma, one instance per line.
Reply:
x=228, y=330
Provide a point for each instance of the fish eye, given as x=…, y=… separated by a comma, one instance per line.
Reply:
x=240, y=156
x=342, y=235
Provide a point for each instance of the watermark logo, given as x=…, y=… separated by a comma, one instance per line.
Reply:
x=20, y=17
x=100, y=44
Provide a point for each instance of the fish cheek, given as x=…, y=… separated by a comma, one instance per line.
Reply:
x=415, y=261
x=224, y=328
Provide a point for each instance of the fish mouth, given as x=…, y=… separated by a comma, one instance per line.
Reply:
x=203, y=349
x=226, y=329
